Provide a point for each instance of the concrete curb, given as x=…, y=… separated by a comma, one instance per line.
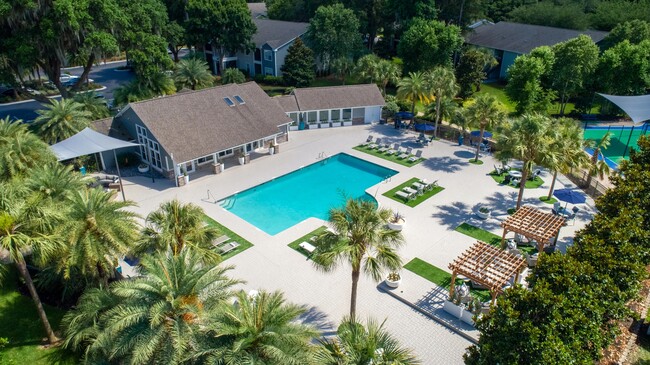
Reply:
x=469, y=338
x=49, y=97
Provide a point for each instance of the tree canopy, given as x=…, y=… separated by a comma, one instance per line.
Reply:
x=299, y=68
x=428, y=43
x=334, y=33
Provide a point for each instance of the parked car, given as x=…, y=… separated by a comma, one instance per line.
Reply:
x=69, y=80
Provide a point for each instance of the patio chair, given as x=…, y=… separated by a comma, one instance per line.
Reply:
x=393, y=150
x=220, y=240
x=485, y=148
x=420, y=185
x=368, y=141
x=405, y=154
x=376, y=144
x=417, y=156
x=224, y=249
x=534, y=175
x=515, y=181
x=409, y=191
x=506, y=180
x=307, y=247
x=404, y=195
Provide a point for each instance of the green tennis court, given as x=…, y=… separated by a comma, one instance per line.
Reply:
x=621, y=137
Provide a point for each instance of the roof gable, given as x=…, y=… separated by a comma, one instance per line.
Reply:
x=195, y=124
x=276, y=33
x=523, y=38
x=349, y=96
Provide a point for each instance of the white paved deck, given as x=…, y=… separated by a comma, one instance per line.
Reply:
x=429, y=232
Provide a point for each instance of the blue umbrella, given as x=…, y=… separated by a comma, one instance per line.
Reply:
x=570, y=196
x=404, y=115
x=424, y=127
x=486, y=134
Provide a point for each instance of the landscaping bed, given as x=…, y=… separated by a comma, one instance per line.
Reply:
x=530, y=184
x=441, y=277
x=414, y=202
x=391, y=158
x=489, y=238
x=306, y=238
x=243, y=244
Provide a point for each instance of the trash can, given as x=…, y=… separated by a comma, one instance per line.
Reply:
x=82, y=170
x=461, y=139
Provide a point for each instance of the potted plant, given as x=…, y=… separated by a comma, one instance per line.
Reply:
x=483, y=212
x=241, y=157
x=393, y=279
x=396, y=222
x=143, y=167
x=453, y=306
x=272, y=148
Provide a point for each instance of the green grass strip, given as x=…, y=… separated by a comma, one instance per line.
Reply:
x=476, y=162
x=441, y=277
x=391, y=158
x=306, y=238
x=243, y=244
x=488, y=237
x=530, y=184
x=414, y=202
x=548, y=201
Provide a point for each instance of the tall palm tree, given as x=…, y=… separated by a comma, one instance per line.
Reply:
x=359, y=344
x=131, y=92
x=155, y=318
x=360, y=238
x=176, y=225
x=60, y=120
x=566, y=151
x=26, y=227
x=441, y=83
x=158, y=84
x=20, y=150
x=413, y=88
x=232, y=75
x=94, y=104
x=449, y=111
x=486, y=112
x=260, y=330
x=387, y=71
x=598, y=166
x=54, y=181
x=97, y=231
x=193, y=73
x=342, y=67
x=366, y=68
x=528, y=139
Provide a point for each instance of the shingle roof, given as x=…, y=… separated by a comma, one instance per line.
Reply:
x=276, y=32
x=318, y=98
x=196, y=124
x=107, y=127
x=522, y=38
x=287, y=103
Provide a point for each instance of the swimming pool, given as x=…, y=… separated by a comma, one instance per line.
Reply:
x=310, y=191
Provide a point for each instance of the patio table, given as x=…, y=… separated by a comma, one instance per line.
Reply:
x=515, y=173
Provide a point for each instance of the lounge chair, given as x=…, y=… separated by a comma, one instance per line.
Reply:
x=368, y=141
x=218, y=241
x=376, y=144
x=405, y=154
x=409, y=191
x=404, y=195
x=225, y=248
x=393, y=150
x=420, y=185
x=417, y=156
x=307, y=247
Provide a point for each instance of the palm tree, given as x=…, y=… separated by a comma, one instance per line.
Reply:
x=60, y=120
x=176, y=225
x=131, y=92
x=159, y=83
x=527, y=139
x=232, y=76
x=94, y=104
x=26, y=227
x=566, y=151
x=387, y=71
x=20, y=150
x=260, y=329
x=194, y=73
x=155, y=318
x=342, y=67
x=97, y=231
x=441, y=83
x=366, y=68
x=413, y=88
x=359, y=344
x=486, y=112
x=359, y=237
x=598, y=167
x=449, y=111
x=54, y=181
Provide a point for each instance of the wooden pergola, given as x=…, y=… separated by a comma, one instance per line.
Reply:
x=487, y=265
x=533, y=224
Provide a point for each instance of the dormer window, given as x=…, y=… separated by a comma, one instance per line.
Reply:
x=229, y=102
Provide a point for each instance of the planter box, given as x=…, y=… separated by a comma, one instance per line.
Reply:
x=467, y=317
x=483, y=215
x=397, y=226
x=240, y=160
x=453, y=309
x=337, y=124
x=347, y=124
x=324, y=125
x=271, y=150
x=293, y=127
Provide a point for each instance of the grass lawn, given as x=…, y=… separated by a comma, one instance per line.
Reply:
x=488, y=237
x=243, y=244
x=546, y=200
x=476, y=162
x=441, y=277
x=304, y=238
x=23, y=329
x=530, y=184
x=498, y=90
x=392, y=158
x=412, y=203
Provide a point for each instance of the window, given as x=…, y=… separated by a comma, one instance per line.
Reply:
x=225, y=153
x=324, y=115
x=268, y=71
x=141, y=130
x=258, y=54
x=268, y=55
x=311, y=117
x=228, y=101
x=239, y=99
x=294, y=117
x=336, y=114
x=347, y=114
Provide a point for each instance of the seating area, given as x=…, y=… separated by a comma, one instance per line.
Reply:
x=224, y=245
x=107, y=182
x=414, y=191
x=506, y=175
x=392, y=152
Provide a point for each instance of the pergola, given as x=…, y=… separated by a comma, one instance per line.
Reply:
x=487, y=265
x=533, y=224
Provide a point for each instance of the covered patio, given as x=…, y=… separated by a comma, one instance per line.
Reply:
x=534, y=224
x=487, y=265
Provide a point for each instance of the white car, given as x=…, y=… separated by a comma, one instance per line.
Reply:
x=67, y=79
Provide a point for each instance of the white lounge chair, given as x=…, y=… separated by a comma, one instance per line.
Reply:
x=394, y=150
x=404, y=195
x=307, y=247
x=406, y=154
x=417, y=156
x=368, y=141
x=376, y=144
x=225, y=248
x=409, y=191
x=218, y=241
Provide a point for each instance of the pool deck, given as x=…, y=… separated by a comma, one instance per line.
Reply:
x=429, y=232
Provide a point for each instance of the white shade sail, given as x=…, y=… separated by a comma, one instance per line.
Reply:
x=87, y=142
x=637, y=107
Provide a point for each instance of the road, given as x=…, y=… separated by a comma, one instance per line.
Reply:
x=103, y=74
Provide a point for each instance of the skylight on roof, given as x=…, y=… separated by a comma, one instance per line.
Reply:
x=229, y=102
x=239, y=99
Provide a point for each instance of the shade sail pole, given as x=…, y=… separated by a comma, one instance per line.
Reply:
x=119, y=176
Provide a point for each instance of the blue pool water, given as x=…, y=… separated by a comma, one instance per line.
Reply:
x=308, y=192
